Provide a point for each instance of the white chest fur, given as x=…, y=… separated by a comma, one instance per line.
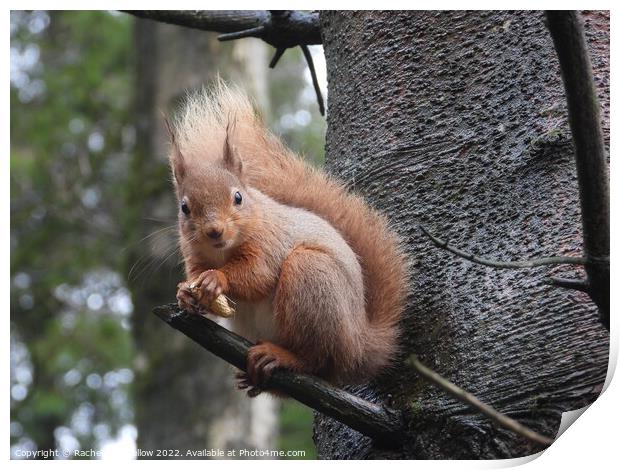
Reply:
x=254, y=320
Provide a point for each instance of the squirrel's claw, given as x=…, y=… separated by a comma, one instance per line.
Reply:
x=243, y=383
x=260, y=370
x=254, y=392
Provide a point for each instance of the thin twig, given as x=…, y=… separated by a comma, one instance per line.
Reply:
x=376, y=421
x=575, y=284
x=566, y=29
x=276, y=57
x=552, y=260
x=470, y=399
x=315, y=81
x=256, y=32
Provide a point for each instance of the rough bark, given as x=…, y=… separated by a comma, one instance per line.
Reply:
x=457, y=121
x=207, y=411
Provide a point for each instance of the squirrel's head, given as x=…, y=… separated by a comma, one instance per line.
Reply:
x=215, y=208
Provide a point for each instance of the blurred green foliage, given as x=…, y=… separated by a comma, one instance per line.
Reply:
x=70, y=143
x=296, y=429
x=72, y=137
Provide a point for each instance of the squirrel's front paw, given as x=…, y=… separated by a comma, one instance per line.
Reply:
x=208, y=285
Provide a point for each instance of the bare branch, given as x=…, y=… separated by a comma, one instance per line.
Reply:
x=470, y=399
x=592, y=171
x=552, y=260
x=282, y=29
x=376, y=421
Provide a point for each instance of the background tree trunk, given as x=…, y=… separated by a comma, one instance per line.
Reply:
x=457, y=121
x=184, y=399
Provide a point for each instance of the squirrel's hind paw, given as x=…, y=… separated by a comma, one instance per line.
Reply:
x=266, y=357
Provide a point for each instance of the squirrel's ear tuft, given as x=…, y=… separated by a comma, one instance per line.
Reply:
x=232, y=161
x=177, y=162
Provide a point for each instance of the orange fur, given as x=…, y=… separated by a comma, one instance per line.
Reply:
x=329, y=265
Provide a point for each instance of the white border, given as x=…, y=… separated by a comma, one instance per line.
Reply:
x=591, y=442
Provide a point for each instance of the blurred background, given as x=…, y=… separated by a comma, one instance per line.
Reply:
x=93, y=237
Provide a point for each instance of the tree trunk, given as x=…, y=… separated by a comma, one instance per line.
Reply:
x=184, y=399
x=457, y=121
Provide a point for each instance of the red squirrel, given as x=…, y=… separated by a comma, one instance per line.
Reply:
x=317, y=277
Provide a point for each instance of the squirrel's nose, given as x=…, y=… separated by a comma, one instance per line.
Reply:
x=215, y=233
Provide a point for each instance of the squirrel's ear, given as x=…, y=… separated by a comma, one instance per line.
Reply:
x=177, y=162
x=232, y=162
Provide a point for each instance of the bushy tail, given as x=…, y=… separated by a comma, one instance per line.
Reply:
x=276, y=171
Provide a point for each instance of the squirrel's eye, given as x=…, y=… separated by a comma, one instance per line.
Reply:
x=238, y=198
x=185, y=208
